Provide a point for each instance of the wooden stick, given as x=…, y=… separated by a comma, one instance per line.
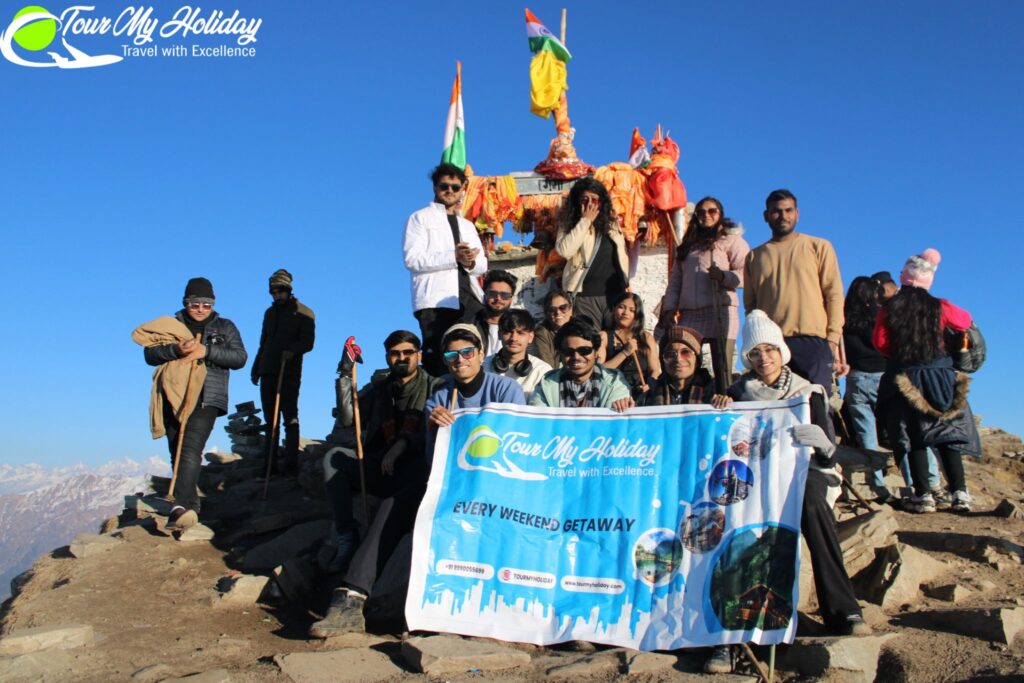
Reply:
x=455, y=400
x=723, y=358
x=745, y=649
x=181, y=431
x=359, y=445
x=273, y=429
x=636, y=359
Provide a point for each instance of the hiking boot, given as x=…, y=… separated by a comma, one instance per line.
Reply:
x=920, y=505
x=347, y=542
x=181, y=519
x=961, y=501
x=345, y=615
x=719, y=661
x=854, y=625
x=943, y=499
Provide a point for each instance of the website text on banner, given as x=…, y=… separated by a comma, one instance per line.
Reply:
x=667, y=528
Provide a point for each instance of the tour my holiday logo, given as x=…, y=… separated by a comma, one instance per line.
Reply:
x=37, y=37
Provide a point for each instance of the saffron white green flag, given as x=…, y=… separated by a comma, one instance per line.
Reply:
x=543, y=39
x=455, y=127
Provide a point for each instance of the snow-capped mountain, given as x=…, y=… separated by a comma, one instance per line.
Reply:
x=42, y=509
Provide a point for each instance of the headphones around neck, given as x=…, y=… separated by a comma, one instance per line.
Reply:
x=522, y=368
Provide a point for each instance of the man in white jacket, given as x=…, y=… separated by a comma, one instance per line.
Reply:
x=444, y=256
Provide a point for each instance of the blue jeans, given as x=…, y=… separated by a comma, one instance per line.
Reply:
x=861, y=397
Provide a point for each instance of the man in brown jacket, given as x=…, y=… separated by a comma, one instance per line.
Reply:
x=794, y=278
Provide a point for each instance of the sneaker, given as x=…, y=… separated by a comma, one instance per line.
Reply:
x=345, y=615
x=920, y=505
x=719, y=661
x=961, y=501
x=347, y=542
x=943, y=498
x=854, y=625
x=181, y=519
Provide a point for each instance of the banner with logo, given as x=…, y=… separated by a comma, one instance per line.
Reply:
x=661, y=529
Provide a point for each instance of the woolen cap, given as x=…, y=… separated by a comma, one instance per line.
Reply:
x=199, y=288
x=281, y=278
x=919, y=271
x=685, y=335
x=760, y=329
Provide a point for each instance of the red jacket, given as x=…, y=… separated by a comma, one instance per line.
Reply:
x=952, y=316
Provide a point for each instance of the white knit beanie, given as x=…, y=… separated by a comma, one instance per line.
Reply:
x=760, y=329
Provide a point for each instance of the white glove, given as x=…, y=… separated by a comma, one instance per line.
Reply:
x=813, y=436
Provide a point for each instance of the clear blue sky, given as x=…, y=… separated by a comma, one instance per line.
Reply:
x=898, y=126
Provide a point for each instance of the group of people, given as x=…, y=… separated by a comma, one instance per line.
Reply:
x=591, y=349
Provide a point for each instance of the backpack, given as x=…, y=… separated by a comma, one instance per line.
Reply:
x=967, y=348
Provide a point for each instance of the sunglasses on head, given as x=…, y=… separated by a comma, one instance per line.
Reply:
x=466, y=353
x=495, y=294
x=454, y=187
x=198, y=307
x=561, y=308
x=583, y=351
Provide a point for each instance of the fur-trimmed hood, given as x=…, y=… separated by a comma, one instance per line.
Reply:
x=917, y=400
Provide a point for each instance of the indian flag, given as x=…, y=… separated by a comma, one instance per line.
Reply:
x=455, y=127
x=543, y=39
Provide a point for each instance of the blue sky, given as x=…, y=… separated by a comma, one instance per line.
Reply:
x=896, y=124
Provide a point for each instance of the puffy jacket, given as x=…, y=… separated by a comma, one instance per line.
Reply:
x=429, y=254
x=613, y=387
x=577, y=248
x=689, y=286
x=224, y=352
x=290, y=326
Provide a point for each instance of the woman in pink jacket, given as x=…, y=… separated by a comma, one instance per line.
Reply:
x=712, y=252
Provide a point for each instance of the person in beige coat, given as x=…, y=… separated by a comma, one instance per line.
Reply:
x=594, y=247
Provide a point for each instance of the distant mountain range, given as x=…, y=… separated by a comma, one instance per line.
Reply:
x=42, y=509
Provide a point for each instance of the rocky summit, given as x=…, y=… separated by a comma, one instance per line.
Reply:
x=233, y=599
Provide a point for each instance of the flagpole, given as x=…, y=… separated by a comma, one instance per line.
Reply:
x=563, y=25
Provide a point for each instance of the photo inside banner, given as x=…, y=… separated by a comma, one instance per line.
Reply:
x=663, y=528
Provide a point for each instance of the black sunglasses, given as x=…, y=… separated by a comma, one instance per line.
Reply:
x=562, y=308
x=583, y=351
x=449, y=186
x=495, y=294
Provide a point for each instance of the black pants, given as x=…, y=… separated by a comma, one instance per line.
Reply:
x=831, y=582
x=410, y=476
x=288, y=412
x=811, y=359
x=197, y=431
x=952, y=465
x=434, y=322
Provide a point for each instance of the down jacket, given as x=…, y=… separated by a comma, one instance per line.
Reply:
x=224, y=352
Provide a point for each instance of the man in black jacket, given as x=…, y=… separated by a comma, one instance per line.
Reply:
x=218, y=345
x=289, y=329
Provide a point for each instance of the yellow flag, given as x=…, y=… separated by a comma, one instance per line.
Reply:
x=547, y=81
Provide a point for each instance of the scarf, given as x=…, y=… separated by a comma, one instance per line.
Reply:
x=579, y=394
x=394, y=404
x=788, y=385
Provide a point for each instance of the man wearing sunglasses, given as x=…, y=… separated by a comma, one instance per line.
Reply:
x=391, y=410
x=289, y=328
x=581, y=382
x=473, y=388
x=683, y=381
x=217, y=345
x=499, y=288
x=444, y=256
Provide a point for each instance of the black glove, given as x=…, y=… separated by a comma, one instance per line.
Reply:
x=349, y=357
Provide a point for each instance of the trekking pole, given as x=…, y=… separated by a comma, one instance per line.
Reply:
x=273, y=429
x=720, y=382
x=636, y=359
x=359, y=445
x=181, y=432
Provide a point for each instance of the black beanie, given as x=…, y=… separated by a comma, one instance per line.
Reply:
x=199, y=288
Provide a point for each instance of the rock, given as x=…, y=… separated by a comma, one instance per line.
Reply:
x=597, y=665
x=355, y=639
x=294, y=578
x=649, y=663
x=439, y=655
x=997, y=625
x=25, y=640
x=961, y=543
x=36, y=666
x=152, y=673
x=816, y=656
x=276, y=552
x=339, y=666
x=196, y=532
x=1008, y=510
x=212, y=676
x=147, y=505
x=243, y=591
x=947, y=592
x=896, y=577
x=219, y=458
x=861, y=536
x=87, y=545
x=19, y=581
x=109, y=525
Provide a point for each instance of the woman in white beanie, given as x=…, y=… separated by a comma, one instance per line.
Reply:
x=765, y=354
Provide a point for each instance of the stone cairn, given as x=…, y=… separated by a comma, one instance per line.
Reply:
x=245, y=430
